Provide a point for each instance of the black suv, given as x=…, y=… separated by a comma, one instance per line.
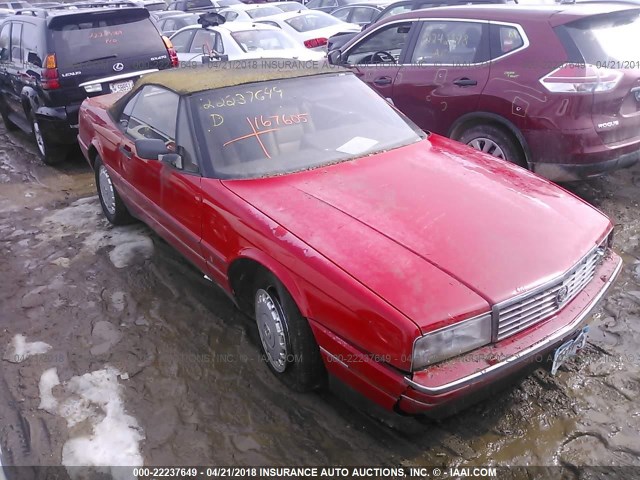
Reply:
x=50, y=61
x=403, y=6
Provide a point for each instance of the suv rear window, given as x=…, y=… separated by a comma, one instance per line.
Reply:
x=609, y=40
x=80, y=39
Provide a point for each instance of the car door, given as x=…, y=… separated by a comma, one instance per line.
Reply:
x=5, y=59
x=446, y=70
x=181, y=200
x=362, y=15
x=182, y=42
x=376, y=58
x=153, y=114
x=15, y=70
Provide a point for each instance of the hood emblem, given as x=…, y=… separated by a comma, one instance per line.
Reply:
x=118, y=67
x=561, y=295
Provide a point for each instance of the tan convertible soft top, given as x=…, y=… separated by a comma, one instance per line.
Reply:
x=236, y=72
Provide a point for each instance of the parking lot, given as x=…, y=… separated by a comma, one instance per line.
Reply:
x=190, y=369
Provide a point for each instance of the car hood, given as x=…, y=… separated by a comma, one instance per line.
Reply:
x=489, y=225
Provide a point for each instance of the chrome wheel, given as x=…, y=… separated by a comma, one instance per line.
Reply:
x=271, y=326
x=38, y=135
x=487, y=146
x=106, y=190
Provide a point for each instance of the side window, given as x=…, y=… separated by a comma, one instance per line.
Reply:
x=154, y=115
x=504, y=39
x=230, y=16
x=341, y=14
x=313, y=4
x=5, y=41
x=382, y=46
x=457, y=43
x=171, y=7
x=362, y=15
x=329, y=3
x=395, y=11
x=167, y=25
x=205, y=41
x=16, y=43
x=185, y=141
x=182, y=40
x=126, y=112
x=30, y=44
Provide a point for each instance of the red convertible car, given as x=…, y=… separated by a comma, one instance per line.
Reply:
x=414, y=268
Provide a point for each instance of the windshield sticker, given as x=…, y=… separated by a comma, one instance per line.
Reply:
x=108, y=36
x=249, y=96
x=356, y=145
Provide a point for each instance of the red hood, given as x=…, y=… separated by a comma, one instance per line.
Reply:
x=492, y=226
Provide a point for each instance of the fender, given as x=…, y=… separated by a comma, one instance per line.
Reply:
x=280, y=271
x=454, y=130
x=30, y=100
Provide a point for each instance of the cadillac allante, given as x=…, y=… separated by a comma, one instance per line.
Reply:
x=417, y=270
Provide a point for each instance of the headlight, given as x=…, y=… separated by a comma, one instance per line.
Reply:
x=450, y=341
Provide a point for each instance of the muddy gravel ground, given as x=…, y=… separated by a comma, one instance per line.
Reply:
x=191, y=388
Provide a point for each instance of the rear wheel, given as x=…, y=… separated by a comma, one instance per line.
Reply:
x=288, y=345
x=112, y=205
x=494, y=141
x=49, y=153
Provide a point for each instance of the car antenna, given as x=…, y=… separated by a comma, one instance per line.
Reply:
x=211, y=19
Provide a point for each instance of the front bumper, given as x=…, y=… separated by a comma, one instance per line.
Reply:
x=442, y=386
x=448, y=386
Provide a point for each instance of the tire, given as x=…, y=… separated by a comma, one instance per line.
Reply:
x=50, y=154
x=8, y=124
x=287, y=342
x=112, y=205
x=494, y=141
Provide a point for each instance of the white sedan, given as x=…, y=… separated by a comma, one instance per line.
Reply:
x=237, y=41
x=311, y=27
x=248, y=12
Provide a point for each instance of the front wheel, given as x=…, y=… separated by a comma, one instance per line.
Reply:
x=112, y=205
x=494, y=141
x=49, y=153
x=288, y=345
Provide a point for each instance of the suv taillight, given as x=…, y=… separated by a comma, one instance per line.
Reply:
x=581, y=78
x=173, y=55
x=50, y=79
x=315, y=42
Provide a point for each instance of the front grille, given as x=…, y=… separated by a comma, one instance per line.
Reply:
x=522, y=312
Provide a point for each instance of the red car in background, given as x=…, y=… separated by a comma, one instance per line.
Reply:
x=414, y=268
x=555, y=89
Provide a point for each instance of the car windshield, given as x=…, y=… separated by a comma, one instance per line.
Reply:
x=290, y=7
x=256, y=40
x=154, y=7
x=283, y=126
x=228, y=3
x=604, y=38
x=312, y=21
x=79, y=39
x=263, y=12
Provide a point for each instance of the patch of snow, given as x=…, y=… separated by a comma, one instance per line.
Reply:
x=95, y=400
x=19, y=349
x=48, y=380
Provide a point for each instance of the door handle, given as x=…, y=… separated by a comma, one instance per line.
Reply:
x=126, y=150
x=382, y=81
x=465, y=82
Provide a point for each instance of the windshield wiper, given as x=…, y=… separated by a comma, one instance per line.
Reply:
x=106, y=57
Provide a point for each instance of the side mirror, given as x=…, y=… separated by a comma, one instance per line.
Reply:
x=173, y=159
x=151, y=148
x=335, y=57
